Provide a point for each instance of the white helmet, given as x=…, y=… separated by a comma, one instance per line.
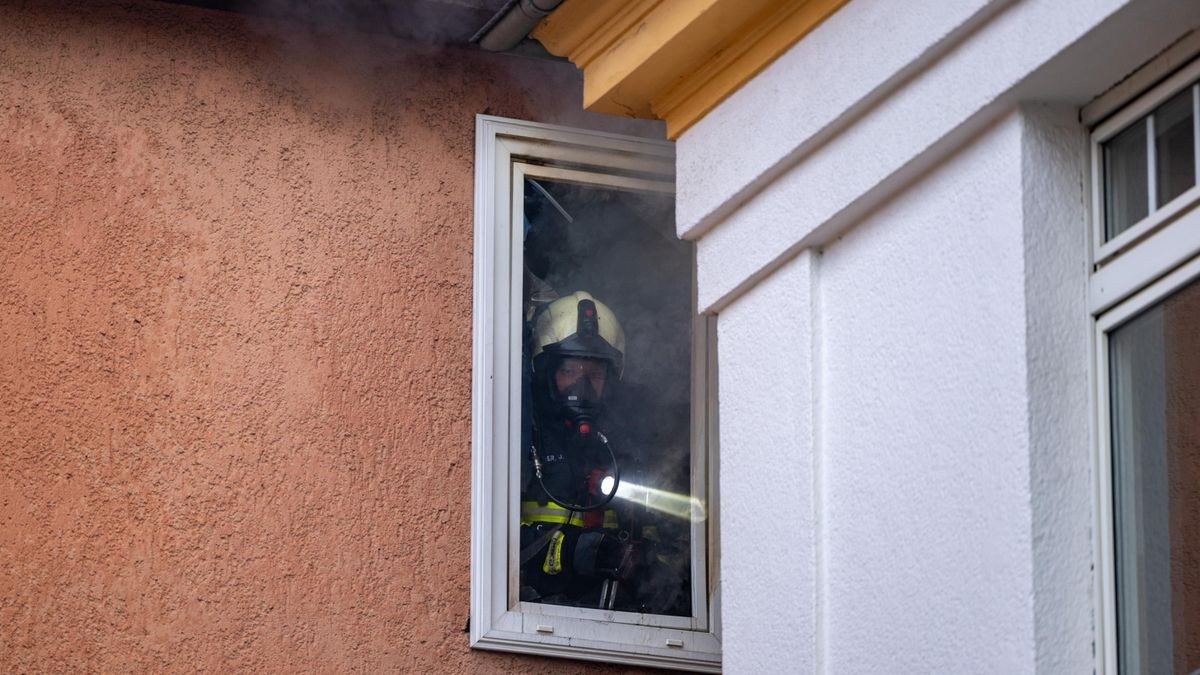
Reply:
x=578, y=325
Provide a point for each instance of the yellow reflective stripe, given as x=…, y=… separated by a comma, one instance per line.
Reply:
x=557, y=520
x=553, y=562
x=533, y=512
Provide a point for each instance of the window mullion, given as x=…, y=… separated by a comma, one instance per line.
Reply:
x=1196, y=131
x=1151, y=165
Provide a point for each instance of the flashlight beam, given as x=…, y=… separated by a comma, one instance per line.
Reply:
x=673, y=504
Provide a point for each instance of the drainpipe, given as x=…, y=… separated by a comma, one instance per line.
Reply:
x=513, y=23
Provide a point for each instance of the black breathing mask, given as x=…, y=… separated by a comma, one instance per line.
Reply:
x=579, y=405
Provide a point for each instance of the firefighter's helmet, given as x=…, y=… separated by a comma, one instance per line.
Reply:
x=580, y=326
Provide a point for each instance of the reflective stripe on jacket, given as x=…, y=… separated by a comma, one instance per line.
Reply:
x=533, y=512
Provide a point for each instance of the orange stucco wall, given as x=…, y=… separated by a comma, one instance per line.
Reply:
x=1181, y=339
x=235, y=350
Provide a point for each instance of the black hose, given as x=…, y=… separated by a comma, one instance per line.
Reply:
x=616, y=475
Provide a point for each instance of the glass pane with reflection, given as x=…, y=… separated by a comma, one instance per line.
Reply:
x=1174, y=147
x=606, y=508
x=1126, y=190
x=1155, y=407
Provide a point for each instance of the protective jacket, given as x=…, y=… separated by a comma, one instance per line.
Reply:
x=566, y=555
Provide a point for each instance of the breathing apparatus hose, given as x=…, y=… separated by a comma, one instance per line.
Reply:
x=616, y=476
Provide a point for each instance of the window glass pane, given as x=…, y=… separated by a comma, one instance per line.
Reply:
x=606, y=376
x=1155, y=385
x=1125, y=179
x=1174, y=147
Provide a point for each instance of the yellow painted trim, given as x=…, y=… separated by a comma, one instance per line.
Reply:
x=583, y=29
x=674, y=59
x=693, y=98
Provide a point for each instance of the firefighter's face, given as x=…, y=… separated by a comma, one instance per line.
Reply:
x=572, y=370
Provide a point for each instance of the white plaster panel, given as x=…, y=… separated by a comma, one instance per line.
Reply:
x=766, y=476
x=1054, y=164
x=818, y=81
x=924, y=430
x=908, y=132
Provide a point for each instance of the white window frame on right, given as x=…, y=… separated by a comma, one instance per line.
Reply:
x=1131, y=272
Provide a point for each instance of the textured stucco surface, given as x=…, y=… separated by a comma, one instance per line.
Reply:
x=925, y=426
x=807, y=190
x=901, y=35
x=766, y=370
x=917, y=393
x=938, y=173
x=1053, y=163
x=235, y=345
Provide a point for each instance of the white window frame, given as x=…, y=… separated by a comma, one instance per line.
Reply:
x=1130, y=274
x=1157, y=213
x=506, y=152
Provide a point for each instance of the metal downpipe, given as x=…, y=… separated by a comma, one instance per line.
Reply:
x=513, y=24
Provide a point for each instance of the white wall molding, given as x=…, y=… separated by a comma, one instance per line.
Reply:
x=1035, y=49
x=829, y=84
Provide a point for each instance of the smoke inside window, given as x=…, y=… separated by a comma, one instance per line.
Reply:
x=607, y=317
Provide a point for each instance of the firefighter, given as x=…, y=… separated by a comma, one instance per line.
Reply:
x=577, y=545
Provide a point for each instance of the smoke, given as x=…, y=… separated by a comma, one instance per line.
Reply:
x=428, y=21
x=620, y=246
x=361, y=46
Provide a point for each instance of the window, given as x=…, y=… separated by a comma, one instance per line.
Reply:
x=1144, y=294
x=592, y=523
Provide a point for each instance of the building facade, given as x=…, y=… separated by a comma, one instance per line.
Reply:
x=927, y=245
x=261, y=384
x=896, y=228
x=236, y=363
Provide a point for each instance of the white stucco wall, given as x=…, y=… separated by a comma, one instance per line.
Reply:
x=755, y=188
x=902, y=232
x=937, y=489
x=798, y=101
x=767, y=476
x=926, y=446
x=1054, y=155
